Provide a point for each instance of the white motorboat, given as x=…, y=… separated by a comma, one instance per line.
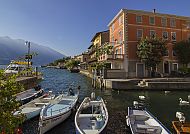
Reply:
x=56, y=112
x=91, y=117
x=142, y=121
x=33, y=108
x=16, y=67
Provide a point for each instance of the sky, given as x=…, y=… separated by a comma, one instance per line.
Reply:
x=69, y=25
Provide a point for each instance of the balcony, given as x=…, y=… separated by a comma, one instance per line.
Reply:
x=94, y=59
x=115, y=57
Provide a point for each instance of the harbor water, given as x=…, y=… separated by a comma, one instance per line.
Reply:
x=161, y=104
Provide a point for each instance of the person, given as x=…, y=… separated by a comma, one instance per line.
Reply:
x=71, y=92
x=79, y=88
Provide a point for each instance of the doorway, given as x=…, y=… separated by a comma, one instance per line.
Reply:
x=166, y=67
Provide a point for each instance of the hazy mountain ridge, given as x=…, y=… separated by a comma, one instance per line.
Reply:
x=12, y=49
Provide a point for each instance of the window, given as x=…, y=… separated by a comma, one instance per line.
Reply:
x=112, y=27
x=120, y=36
x=139, y=33
x=120, y=20
x=172, y=22
x=173, y=36
x=166, y=53
x=175, y=66
x=152, y=34
x=120, y=50
x=188, y=37
x=164, y=21
x=151, y=20
x=174, y=53
x=165, y=35
x=139, y=19
x=116, y=51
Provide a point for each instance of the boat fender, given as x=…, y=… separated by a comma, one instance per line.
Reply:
x=127, y=120
x=93, y=96
x=19, y=131
x=45, y=95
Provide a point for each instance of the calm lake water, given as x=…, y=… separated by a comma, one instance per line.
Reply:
x=161, y=105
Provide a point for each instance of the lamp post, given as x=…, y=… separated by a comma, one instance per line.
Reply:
x=28, y=57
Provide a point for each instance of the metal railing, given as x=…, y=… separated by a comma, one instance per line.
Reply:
x=115, y=56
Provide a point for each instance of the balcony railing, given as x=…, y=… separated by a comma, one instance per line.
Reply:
x=94, y=59
x=115, y=57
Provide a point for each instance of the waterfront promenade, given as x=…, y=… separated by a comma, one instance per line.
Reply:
x=29, y=82
x=152, y=84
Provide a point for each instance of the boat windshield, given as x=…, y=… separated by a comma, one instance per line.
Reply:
x=13, y=68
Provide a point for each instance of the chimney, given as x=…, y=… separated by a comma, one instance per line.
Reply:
x=154, y=10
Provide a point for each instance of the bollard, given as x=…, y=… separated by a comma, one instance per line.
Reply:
x=36, y=71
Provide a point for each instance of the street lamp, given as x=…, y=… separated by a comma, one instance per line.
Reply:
x=28, y=57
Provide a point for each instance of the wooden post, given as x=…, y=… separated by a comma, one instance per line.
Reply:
x=92, y=77
x=95, y=73
x=36, y=71
x=101, y=80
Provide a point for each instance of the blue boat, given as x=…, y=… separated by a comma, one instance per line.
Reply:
x=57, y=111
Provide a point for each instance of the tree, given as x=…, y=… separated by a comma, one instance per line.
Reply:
x=63, y=60
x=72, y=63
x=182, y=50
x=8, y=104
x=105, y=49
x=151, y=51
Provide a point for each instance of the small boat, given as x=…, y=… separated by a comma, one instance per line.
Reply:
x=91, y=117
x=167, y=92
x=142, y=121
x=30, y=94
x=74, y=70
x=33, y=108
x=56, y=112
x=181, y=127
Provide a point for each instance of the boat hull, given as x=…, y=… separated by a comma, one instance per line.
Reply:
x=33, y=113
x=27, y=99
x=53, y=114
x=49, y=123
x=142, y=121
x=181, y=128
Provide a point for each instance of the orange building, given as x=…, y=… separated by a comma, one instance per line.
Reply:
x=129, y=26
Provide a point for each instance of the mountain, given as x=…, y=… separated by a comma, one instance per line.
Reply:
x=13, y=49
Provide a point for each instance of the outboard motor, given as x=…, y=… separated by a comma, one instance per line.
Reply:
x=71, y=92
x=136, y=104
x=37, y=88
x=93, y=96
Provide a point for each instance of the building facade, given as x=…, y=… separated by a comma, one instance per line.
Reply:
x=83, y=58
x=129, y=26
x=98, y=41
